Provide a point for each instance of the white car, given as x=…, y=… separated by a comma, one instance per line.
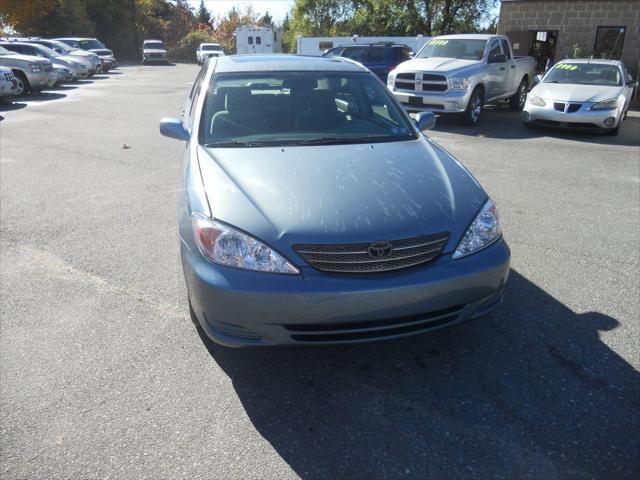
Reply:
x=585, y=94
x=206, y=50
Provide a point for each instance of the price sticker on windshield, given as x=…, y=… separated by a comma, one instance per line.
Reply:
x=566, y=66
x=438, y=42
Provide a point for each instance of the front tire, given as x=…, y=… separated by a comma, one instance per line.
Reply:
x=516, y=103
x=23, y=83
x=471, y=115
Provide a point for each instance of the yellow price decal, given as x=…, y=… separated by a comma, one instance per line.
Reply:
x=566, y=66
x=438, y=42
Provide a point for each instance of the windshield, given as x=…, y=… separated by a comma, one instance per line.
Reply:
x=453, y=48
x=211, y=47
x=158, y=45
x=46, y=51
x=585, y=74
x=91, y=44
x=300, y=108
x=61, y=45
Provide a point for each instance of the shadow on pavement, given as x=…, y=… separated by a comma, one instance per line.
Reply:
x=500, y=122
x=42, y=96
x=8, y=107
x=530, y=392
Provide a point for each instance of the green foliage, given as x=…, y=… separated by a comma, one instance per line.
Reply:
x=387, y=17
x=185, y=50
x=203, y=15
x=121, y=24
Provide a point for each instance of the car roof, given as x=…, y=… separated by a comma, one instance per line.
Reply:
x=74, y=38
x=374, y=44
x=280, y=62
x=30, y=44
x=602, y=61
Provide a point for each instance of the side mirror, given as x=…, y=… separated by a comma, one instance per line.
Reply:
x=537, y=79
x=632, y=84
x=498, y=58
x=173, y=128
x=425, y=121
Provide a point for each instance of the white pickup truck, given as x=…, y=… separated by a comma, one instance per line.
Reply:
x=461, y=74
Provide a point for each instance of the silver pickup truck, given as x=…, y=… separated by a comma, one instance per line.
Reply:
x=462, y=73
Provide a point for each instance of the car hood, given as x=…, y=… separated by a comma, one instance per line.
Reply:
x=443, y=65
x=25, y=58
x=340, y=194
x=575, y=93
x=154, y=50
x=101, y=51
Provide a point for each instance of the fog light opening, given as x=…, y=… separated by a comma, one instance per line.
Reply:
x=609, y=121
x=526, y=116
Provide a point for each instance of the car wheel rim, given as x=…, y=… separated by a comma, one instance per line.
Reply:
x=522, y=97
x=476, y=106
x=20, y=87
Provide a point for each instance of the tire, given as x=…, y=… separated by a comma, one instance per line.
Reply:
x=614, y=131
x=516, y=103
x=471, y=115
x=23, y=83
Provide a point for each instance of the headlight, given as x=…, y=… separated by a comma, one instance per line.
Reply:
x=533, y=100
x=35, y=68
x=224, y=245
x=391, y=78
x=605, y=105
x=459, y=83
x=484, y=230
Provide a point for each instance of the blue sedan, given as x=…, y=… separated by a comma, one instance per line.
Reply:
x=316, y=212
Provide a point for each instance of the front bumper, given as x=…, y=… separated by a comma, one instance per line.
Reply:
x=41, y=80
x=154, y=58
x=451, y=101
x=547, y=115
x=236, y=307
x=108, y=63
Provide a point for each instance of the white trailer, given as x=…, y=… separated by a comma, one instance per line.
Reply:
x=316, y=46
x=258, y=40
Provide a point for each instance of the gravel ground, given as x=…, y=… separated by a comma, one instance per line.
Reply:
x=103, y=375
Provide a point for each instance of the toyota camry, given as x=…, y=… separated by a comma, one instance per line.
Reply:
x=315, y=210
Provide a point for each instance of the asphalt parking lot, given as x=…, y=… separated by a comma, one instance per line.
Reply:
x=103, y=374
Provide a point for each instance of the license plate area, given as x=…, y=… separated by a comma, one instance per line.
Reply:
x=415, y=101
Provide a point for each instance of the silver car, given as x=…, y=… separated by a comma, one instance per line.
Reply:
x=89, y=59
x=75, y=67
x=315, y=211
x=584, y=94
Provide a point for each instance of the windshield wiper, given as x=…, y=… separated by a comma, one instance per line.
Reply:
x=231, y=143
x=337, y=140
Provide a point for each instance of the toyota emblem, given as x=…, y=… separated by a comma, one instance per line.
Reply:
x=380, y=249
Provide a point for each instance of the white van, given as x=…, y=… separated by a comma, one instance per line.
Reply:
x=258, y=40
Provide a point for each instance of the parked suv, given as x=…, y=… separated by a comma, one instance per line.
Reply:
x=73, y=66
x=93, y=45
x=154, y=51
x=33, y=73
x=89, y=59
x=380, y=58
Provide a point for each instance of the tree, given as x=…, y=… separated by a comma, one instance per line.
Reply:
x=203, y=15
x=266, y=20
x=388, y=17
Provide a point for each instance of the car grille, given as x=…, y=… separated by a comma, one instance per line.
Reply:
x=570, y=108
x=372, y=329
x=47, y=68
x=354, y=257
x=430, y=82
